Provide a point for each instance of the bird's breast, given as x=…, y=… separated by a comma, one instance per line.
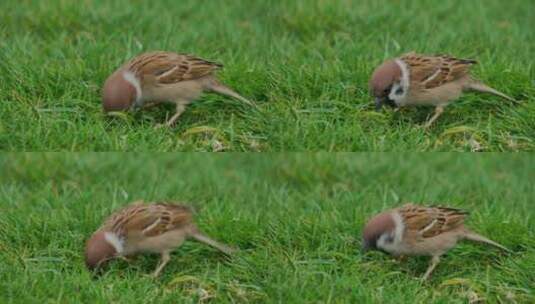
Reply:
x=183, y=91
x=438, y=96
x=156, y=244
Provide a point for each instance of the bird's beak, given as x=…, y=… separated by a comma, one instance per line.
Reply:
x=379, y=102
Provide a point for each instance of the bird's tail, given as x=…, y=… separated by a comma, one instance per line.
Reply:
x=472, y=236
x=203, y=238
x=220, y=88
x=481, y=87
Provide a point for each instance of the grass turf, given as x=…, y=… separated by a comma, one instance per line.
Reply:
x=306, y=63
x=297, y=219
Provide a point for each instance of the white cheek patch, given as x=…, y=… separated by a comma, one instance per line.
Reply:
x=399, y=90
x=115, y=241
x=390, y=241
x=132, y=79
x=385, y=241
x=397, y=93
x=400, y=227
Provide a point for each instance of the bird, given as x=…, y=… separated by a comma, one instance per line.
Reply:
x=159, y=77
x=414, y=230
x=158, y=227
x=415, y=80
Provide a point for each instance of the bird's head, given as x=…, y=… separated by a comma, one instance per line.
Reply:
x=385, y=80
x=100, y=248
x=378, y=231
x=120, y=92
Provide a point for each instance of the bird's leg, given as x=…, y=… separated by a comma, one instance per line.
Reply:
x=164, y=260
x=438, y=112
x=434, y=262
x=180, y=108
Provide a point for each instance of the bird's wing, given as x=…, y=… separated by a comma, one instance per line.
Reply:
x=433, y=71
x=149, y=219
x=431, y=221
x=168, y=67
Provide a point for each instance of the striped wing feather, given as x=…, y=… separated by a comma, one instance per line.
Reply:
x=149, y=220
x=432, y=221
x=171, y=68
x=434, y=71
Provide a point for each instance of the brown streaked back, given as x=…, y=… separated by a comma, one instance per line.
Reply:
x=170, y=67
x=434, y=71
x=431, y=221
x=149, y=219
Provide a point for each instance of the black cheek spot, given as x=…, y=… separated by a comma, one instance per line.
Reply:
x=390, y=238
x=399, y=91
x=387, y=90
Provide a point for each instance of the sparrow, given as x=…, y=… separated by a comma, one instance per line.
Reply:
x=157, y=77
x=415, y=79
x=413, y=230
x=145, y=228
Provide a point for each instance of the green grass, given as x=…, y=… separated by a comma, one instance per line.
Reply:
x=297, y=219
x=306, y=64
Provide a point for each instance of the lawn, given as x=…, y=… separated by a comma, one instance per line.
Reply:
x=306, y=63
x=297, y=219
